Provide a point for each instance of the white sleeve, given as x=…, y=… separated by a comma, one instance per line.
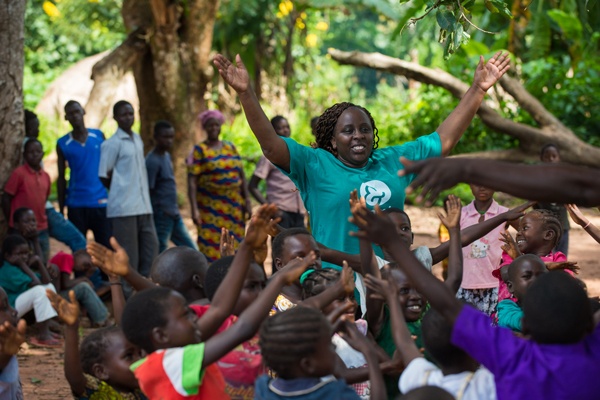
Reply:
x=418, y=372
x=381, y=262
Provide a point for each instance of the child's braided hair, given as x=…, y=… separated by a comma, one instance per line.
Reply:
x=289, y=336
x=319, y=279
x=550, y=221
x=327, y=121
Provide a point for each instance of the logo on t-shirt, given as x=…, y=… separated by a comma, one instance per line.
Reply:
x=375, y=192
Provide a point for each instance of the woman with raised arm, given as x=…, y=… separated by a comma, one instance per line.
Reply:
x=346, y=156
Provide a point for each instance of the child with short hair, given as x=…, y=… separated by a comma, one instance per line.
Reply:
x=12, y=335
x=29, y=186
x=163, y=190
x=296, y=344
x=520, y=275
x=559, y=360
x=26, y=290
x=161, y=324
x=100, y=367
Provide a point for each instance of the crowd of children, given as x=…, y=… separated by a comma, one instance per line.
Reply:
x=510, y=320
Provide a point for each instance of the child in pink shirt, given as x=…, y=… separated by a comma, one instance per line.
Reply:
x=482, y=257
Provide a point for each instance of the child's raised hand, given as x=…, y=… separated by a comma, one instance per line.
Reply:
x=12, y=337
x=68, y=312
x=350, y=333
x=382, y=289
x=235, y=75
x=373, y=226
x=355, y=201
x=518, y=211
x=571, y=265
x=577, y=215
x=336, y=316
x=291, y=272
x=227, y=245
x=510, y=246
x=111, y=262
x=452, y=219
x=260, y=225
x=347, y=278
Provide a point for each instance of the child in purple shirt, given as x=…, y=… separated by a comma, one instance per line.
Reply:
x=561, y=358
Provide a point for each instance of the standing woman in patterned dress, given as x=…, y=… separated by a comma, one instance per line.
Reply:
x=217, y=188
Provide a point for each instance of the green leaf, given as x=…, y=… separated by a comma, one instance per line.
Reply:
x=540, y=45
x=501, y=7
x=474, y=48
x=36, y=380
x=458, y=34
x=491, y=7
x=569, y=24
x=445, y=19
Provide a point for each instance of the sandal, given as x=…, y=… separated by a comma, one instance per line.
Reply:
x=50, y=343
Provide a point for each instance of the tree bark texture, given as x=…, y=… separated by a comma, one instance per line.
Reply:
x=172, y=76
x=531, y=138
x=12, y=129
x=107, y=74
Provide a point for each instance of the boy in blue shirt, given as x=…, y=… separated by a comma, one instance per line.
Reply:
x=163, y=190
x=85, y=196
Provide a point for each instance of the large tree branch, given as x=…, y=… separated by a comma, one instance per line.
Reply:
x=531, y=139
x=108, y=73
x=529, y=102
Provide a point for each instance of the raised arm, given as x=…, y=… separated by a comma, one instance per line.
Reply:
x=272, y=145
x=385, y=289
x=68, y=312
x=11, y=338
x=378, y=228
x=552, y=183
x=486, y=75
x=471, y=233
x=582, y=221
x=117, y=263
x=228, y=291
x=455, y=257
x=249, y=321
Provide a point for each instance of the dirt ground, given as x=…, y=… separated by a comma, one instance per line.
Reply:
x=42, y=370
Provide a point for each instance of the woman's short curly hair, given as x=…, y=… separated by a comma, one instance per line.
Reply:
x=327, y=121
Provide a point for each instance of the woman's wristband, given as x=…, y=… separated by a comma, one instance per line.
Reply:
x=588, y=224
x=116, y=283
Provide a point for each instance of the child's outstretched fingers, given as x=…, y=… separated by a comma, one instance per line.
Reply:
x=509, y=246
x=111, y=262
x=291, y=271
x=562, y=265
x=577, y=215
x=376, y=227
x=452, y=219
x=11, y=337
x=519, y=211
x=350, y=333
x=68, y=311
x=258, y=230
x=335, y=316
x=379, y=287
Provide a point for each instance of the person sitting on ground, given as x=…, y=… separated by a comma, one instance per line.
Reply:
x=163, y=190
x=26, y=290
x=12, y=335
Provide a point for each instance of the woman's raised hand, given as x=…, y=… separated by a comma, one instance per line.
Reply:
x=235, y=75
x=488, y=73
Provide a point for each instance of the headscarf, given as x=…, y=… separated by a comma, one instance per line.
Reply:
x=207, y=115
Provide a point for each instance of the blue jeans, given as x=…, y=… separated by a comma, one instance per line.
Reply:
x=173, y=228
x=64, y=231
x=87, y=297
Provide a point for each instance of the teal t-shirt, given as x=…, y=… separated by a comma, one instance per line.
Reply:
x=325, y=184
x=14, y=281
x=509, y=315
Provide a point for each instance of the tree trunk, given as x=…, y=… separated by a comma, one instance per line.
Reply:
x=531, y=138
x=107, y=74
x=172, y=76
x=12, y=129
